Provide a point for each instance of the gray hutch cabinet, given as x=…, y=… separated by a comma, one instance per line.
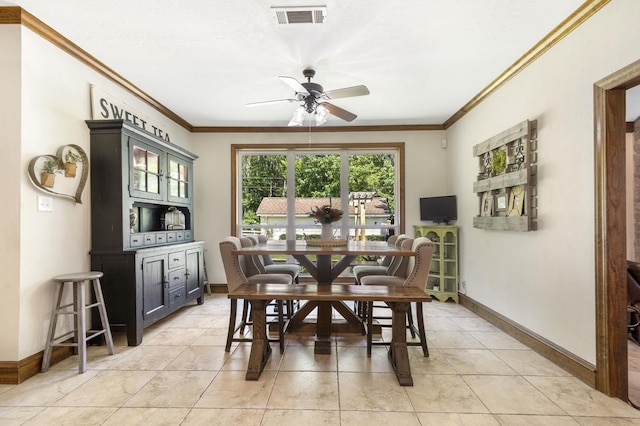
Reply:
x=142, y=226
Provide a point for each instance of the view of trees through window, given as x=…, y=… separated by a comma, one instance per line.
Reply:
x=304, y=178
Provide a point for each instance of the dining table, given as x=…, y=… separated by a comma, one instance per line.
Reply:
x=330, y=261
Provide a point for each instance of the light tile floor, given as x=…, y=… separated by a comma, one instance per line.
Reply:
x=180, y=375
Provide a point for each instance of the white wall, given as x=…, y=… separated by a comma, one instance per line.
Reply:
x=426, y=175
x=544, y=280
x=10, y=185
x=50, y=113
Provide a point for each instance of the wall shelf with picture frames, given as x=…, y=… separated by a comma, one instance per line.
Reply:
x=506, y=184
x=442, y=283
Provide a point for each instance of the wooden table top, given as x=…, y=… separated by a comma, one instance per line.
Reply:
x=300, y=247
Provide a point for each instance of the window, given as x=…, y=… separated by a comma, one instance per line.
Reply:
x=276, y=186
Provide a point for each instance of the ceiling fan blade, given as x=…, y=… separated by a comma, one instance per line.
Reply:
x=294, y=84
x=277, y=101
x=339, y=112
x=347, y=92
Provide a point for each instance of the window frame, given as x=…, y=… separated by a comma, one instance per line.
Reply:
x=237, y=150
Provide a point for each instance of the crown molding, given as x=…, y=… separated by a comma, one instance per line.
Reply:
x=584, y=12
x=319, y=129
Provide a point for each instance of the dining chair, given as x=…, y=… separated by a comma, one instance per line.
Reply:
x=388, y=265
x=258, y=265
x=235, y=269
x=397, y=268
x=417, y=274
x=272, y=267
x=360, y=271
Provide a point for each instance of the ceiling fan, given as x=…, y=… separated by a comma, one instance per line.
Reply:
x=313, y=98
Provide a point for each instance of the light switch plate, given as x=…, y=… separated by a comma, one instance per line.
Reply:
x=45, y=204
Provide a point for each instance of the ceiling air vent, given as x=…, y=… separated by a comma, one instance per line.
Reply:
x=286, y=15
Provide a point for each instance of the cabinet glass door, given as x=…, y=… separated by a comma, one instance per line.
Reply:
x=178, y=180
x=146, y=171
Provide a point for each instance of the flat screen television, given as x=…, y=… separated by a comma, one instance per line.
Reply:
x=439, y=209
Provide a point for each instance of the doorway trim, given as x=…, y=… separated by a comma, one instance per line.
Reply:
x=610, y=237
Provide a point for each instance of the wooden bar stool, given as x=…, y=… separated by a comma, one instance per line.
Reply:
x=77, y=308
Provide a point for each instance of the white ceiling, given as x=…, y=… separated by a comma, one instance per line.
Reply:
x=422, y=60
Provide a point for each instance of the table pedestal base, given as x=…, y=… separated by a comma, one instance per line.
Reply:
x=260, y=349
x=324, y=326
x=398, y=354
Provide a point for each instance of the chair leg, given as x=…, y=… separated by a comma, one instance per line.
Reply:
x=421, y=331
x=363, y=307
x=246, y=316
x=232, y=323
x=410, y=323
x=369, y=313
x=280, y=326
x=290, y=308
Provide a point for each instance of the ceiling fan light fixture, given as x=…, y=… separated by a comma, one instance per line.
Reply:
x=321, y=115
x=298, y=117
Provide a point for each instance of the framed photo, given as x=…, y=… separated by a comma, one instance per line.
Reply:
x=501, y=202
x=486, y=206
x=516, y=201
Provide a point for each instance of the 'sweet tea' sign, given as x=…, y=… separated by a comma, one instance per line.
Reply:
x=106, y=107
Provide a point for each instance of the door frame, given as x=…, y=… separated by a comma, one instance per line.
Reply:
x=610, y=237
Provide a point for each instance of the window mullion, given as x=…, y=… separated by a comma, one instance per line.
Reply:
x=344, y=192
x=291, y=195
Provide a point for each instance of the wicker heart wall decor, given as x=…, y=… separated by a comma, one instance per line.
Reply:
x=70, y=162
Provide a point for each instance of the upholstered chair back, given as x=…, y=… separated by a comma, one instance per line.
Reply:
x=386, y=261
x=420, y=264
x=395, y=260
x=232, y=263
x=402, y=263
x=253, y=265
x=266, y=259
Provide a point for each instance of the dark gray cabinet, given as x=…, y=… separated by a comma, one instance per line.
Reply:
x=151, y=268
x=154, y=286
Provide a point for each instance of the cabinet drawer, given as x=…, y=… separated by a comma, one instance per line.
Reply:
x=172, y=237
x=180, y=235
x=176, y=259
x=136, y=240
x=188, y=236
x=161, y=238
x=177, y=278
x=177, y=297
x=149, y=239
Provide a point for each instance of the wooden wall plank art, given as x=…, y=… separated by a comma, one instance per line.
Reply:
x=506, y=184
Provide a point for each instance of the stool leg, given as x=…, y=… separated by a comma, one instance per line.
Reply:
x=46, y=359
x=97, y=290
x=81, y=333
